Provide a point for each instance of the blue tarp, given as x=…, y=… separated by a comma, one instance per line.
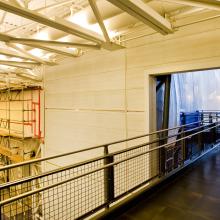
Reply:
x=193, y=91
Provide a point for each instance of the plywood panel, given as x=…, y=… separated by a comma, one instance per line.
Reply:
x=70, y=130
x=135, y=99
x=93, y=100
x=199, y=46
x=104, y=96
x=135, y=78
x=107, y=62
x=136, y=122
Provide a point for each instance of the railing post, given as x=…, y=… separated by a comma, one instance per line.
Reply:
x=108, y=177
x=200, y=142
x=183, y=145
x=202, y=118
x=162, y=157
x=216, y=128
x=214, y=132
x=210, y=118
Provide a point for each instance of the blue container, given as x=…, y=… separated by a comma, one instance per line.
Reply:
x=190, y=117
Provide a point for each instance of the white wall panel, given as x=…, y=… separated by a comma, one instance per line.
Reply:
x=103, y=95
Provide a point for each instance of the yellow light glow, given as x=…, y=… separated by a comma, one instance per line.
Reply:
x=36, y=52
x=16, y=59
x=113, y=34
x=82, y=20
x=42, y=35
x=20, y=46
x=3, y=57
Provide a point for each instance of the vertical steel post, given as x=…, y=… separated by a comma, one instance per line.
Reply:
x=166, y=107
x=212, y=131
x=202, y=118
x=108, y=177
x=183, y=146
x=200, y=142
x=165, y=124
x=210, y=118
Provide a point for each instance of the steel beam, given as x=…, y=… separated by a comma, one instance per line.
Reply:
x=19, y=62
x=31, y=56
x=9, y=63
x=79, y=31
x=27, y=41
x=144, y=13
x=99, y=19
x=37, y=44
x=53, y=50
x=59, y=24
x=184, y=11
x=16, y=3
x=11, y=53
x=208, y=4
x=22, y=75
x=55, y=5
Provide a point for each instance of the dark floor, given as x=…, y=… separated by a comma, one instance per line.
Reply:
x=193, y=195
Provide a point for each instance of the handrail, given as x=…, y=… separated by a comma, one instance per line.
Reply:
x=12, y=199
x=5, y=185
x=91, y=148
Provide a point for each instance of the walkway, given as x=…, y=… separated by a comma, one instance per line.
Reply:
x=192, y=195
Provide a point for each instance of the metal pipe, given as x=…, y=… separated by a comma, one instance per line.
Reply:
x=190, y=23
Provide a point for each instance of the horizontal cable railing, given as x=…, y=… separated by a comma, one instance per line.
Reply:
x=81, y=189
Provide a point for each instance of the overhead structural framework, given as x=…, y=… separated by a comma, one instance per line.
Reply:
x=184, y=11
x=53, y=50
x=39, y=44
x=47, y=7
x=16, y=3
x=144, y=13
x=31, y=56
x=208, y=4
x=99, y=19
x=23, y=65
x=28, y=41
x=11, y=53
x=19, y=74
x=58, y=23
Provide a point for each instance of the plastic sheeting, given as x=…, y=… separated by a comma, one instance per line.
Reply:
x=194, y=91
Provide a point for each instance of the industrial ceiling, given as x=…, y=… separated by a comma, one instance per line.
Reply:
x=35, y=33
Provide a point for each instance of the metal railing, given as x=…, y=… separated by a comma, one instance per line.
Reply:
x=82, y=189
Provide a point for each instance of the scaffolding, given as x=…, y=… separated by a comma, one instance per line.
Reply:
x=20, y=128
